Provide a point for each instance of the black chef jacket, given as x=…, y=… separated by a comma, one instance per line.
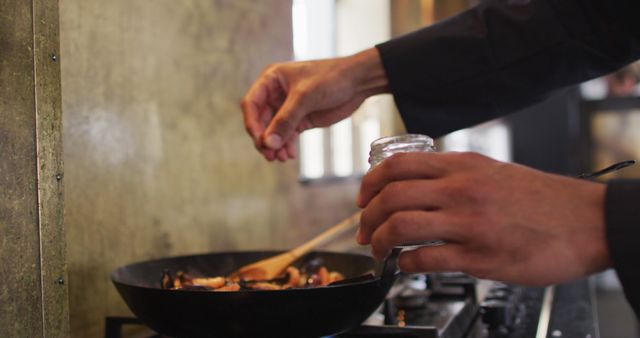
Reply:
x=505, y=54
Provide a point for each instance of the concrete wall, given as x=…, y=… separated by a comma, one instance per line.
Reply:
x=157, y=159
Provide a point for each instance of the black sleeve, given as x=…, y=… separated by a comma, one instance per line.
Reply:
x=622, y=214
x=503, y=55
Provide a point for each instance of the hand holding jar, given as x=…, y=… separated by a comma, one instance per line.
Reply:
x=500, y=221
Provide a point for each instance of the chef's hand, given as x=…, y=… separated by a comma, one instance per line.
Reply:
x=289, y=98
x=499, y=221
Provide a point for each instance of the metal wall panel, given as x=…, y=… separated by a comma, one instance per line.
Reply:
x=50, y=168
x=34, y=303
x=19, y=244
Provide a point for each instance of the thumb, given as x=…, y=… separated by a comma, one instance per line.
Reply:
x=283, y=126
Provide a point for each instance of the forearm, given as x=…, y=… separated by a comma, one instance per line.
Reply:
x=500, y=56
x=367, y=73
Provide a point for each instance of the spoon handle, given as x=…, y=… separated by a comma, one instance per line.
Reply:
x=611, y=168
x=327, y=235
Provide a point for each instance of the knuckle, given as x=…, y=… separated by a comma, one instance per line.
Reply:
x=270, y=68
x=379, y=244
x=300, y=96
x=453, y=157
x=472, y=157
x=468, y=188
x=397, y=224
x=388, y=194
x=383, y=198
x=302, y=91
x=366, y=184
x=476, y=190
x=245, y=104
x=433, y=261
x=394, y=163
x=465, y=158
x=393, y=231
x=458, y=190
x=477, y=267
x=439, y=261
x=472, y=230
x=284, y=121
x=451, y=189
x=365, y=219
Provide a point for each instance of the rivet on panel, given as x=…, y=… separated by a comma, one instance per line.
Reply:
x=54, y=57
x=60, y=280
x=58, y=177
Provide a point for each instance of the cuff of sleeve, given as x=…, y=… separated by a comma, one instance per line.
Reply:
x=622, y=216
x=391, y=53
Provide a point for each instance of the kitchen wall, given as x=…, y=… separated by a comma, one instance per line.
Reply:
x=157, y=160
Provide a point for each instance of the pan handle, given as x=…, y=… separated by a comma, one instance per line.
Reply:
x=390, y=267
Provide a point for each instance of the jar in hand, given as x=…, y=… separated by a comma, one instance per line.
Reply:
x=388, y=146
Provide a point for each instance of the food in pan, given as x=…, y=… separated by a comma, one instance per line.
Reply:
x=314, y=273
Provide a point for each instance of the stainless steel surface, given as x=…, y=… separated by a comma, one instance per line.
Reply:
x=609, y=169
x=545, y=313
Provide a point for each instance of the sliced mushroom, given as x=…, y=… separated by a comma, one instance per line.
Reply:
x=212, y=282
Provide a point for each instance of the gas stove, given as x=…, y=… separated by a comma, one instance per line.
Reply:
x=453, y=305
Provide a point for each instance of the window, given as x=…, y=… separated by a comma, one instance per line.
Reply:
x=491, y=139
x=329, y=28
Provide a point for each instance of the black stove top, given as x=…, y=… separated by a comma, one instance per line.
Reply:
x=457, y=306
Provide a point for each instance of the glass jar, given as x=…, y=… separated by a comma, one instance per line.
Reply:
x=390, y=145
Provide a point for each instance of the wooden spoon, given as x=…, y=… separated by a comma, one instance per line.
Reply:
x=273, y=267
